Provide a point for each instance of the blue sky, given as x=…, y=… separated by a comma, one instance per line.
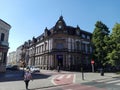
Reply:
x=29, y=18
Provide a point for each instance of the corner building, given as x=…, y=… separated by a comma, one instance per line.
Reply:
x=67, y=46
x=4, y=44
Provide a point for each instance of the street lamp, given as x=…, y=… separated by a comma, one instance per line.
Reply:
x=34, y=49
x=82, y=70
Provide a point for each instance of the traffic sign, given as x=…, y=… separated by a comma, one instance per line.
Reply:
x=92, y=62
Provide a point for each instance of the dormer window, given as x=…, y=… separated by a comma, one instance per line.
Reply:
x=77, y=32
x=60, y=24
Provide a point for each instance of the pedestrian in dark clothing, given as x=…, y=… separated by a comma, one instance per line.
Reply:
x=58, y=68
x=27, y=78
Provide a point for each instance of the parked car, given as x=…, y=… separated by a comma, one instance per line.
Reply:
x=34, y=69
x=15, y=67
x=12, y=67
x=8, y=67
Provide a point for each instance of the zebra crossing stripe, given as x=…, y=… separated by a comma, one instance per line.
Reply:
x=68, y=76
x=60, y=77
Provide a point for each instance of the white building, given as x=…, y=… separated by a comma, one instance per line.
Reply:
x=12, y=58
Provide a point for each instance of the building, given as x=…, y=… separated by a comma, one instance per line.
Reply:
x=65, y=46
x=4, y=45
x=18, y=53
x=12, y=58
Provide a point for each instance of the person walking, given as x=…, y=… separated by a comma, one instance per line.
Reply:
x=27, y=78
x=58, y=68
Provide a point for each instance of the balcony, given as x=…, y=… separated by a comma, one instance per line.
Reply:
x=4, y=43
x=59, y=50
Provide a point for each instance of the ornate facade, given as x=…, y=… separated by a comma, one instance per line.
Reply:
x=67, y=46
x=4, y=45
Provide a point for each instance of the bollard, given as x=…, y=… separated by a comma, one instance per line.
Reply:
x=102, y=72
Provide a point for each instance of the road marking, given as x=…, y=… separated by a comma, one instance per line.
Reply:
x=105, y=80
x=53, y=80
x=60, y=77
x=74, y=78
x=113, y=81
x=68, y=76
x=117, y=84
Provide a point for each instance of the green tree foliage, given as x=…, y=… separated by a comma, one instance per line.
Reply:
x=99, y=39
x=114, y=46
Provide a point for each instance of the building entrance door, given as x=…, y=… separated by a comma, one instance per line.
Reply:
x=60, y=60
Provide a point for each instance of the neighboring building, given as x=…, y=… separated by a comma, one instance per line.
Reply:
x=18, y=54
x=12, y=58
x=4, y=45
x=67, y=46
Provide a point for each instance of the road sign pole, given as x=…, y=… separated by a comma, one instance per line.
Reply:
x=92, y=63
x=92, y=67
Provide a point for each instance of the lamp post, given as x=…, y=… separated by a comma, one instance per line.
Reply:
x=82, y=70
x=92, y=63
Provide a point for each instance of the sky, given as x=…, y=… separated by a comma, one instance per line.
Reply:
x=29, y=18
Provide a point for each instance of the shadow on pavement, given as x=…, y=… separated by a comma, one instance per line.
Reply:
x=18, y=75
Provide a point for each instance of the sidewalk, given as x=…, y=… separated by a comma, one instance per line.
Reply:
x=94, y=76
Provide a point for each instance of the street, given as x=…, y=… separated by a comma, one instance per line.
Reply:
x=52, y=80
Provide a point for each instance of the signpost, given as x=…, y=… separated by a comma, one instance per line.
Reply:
x=92, y=63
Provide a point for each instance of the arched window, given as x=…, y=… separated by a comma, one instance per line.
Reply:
x=2, y=36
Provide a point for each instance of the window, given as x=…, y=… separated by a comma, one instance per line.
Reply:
x=77, y=45
x=88, y=37
x=77, y=32
x=0, y=56
x=2, y=36
x=59, y=46
x=83, y=36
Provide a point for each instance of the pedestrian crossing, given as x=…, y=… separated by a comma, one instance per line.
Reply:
x=63, y=79
x=112, y=81
x=64, y=76
x=60, y=77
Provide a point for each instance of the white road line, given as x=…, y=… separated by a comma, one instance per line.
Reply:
x=105, y=80
x=115, y=81
x=53, y=80
x=68, y=76
x=60, y=77
x=117, y=84
x=74, y=78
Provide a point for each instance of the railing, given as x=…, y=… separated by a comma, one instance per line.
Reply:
x=59, y=50
x=4, y=43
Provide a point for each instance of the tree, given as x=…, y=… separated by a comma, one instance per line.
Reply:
x=99, y=42
x=114, y=54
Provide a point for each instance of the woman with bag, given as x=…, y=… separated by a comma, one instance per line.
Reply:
x=27, y=78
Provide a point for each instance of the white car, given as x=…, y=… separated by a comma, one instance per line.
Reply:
x=34, y=69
